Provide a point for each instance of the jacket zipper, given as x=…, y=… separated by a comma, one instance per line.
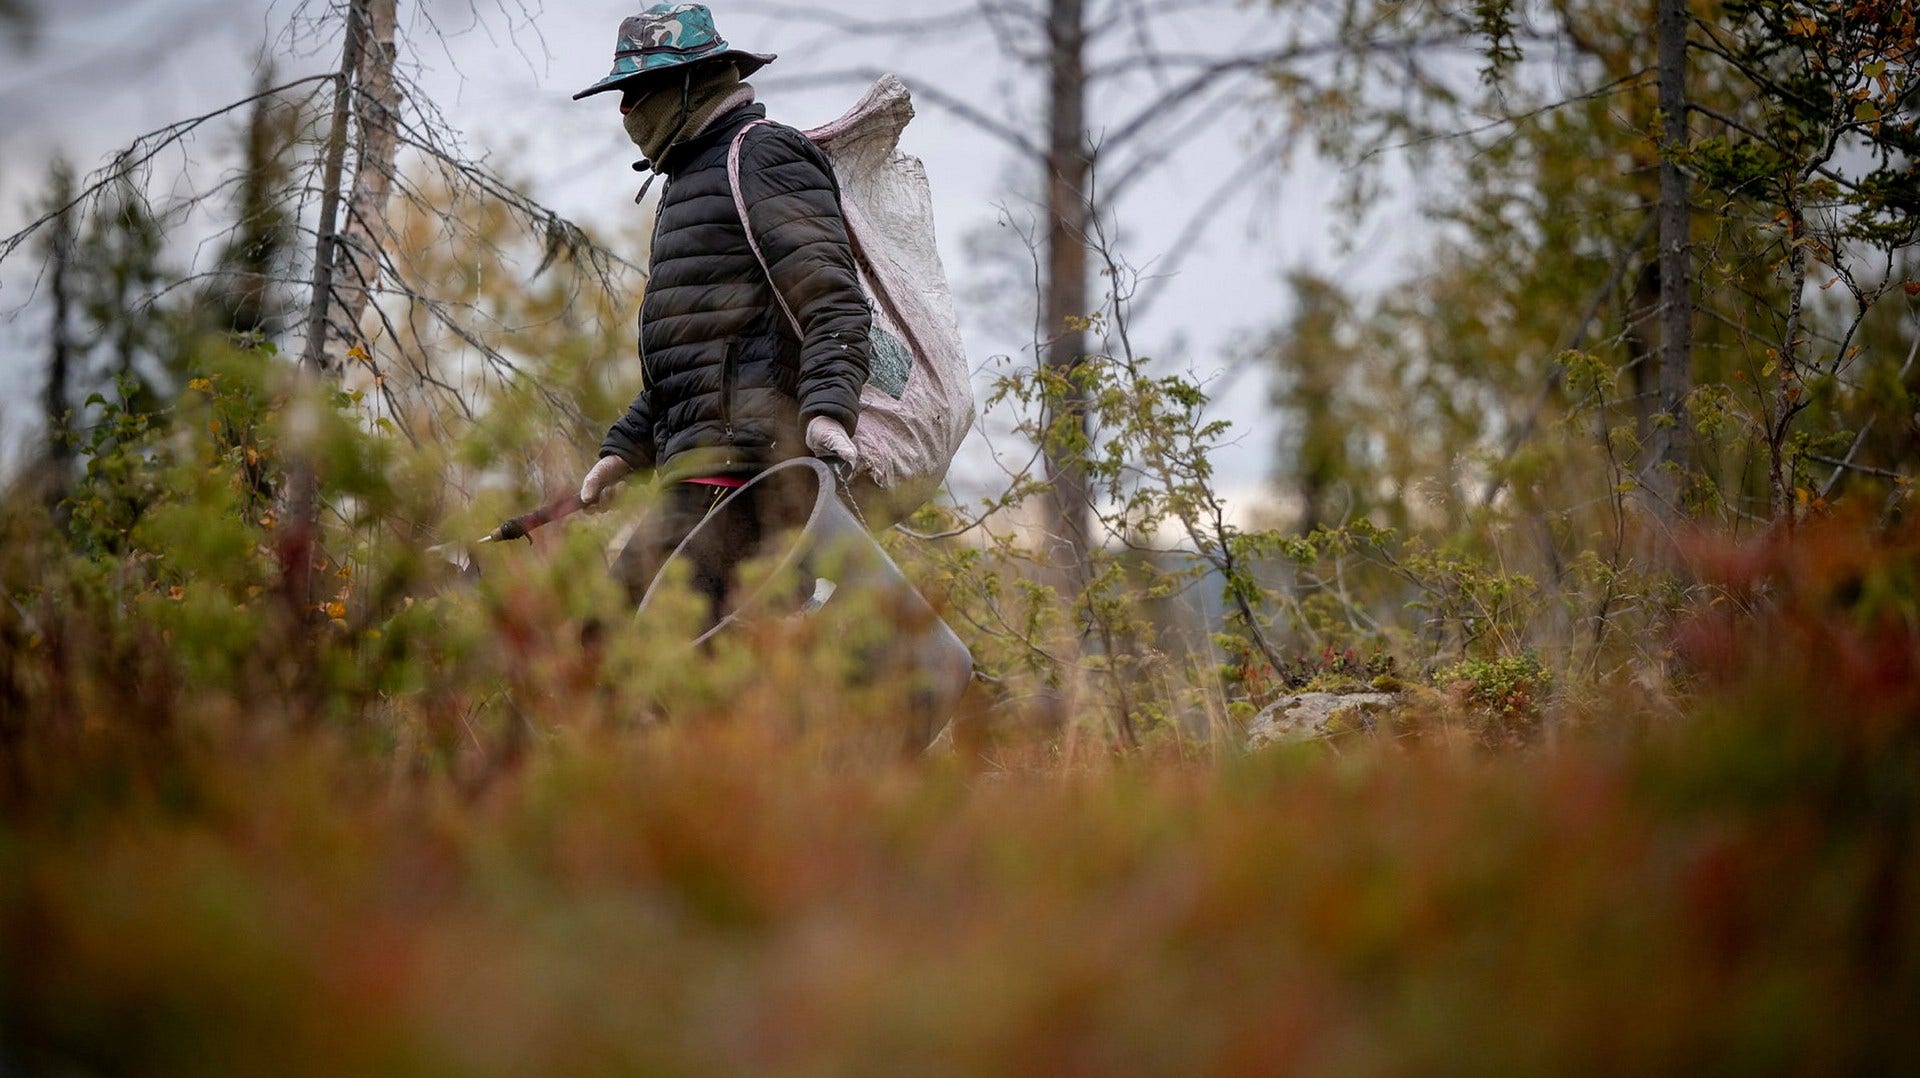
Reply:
x=726, y=387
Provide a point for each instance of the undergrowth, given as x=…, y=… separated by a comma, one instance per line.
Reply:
x=361, y=811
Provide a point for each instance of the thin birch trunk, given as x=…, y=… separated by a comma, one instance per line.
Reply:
x=376, y=106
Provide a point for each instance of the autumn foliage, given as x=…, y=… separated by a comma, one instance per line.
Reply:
x=460, y=835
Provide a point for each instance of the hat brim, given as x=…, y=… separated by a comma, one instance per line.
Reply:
x=747, y=62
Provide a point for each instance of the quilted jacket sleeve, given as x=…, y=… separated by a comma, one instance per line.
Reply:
x=793, y=207
x=631, y=438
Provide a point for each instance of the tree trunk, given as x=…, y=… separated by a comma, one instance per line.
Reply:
x=320, y=304
x=1643, y=320
x=376, y=111
x=299, y=536
x=1069, y=170
x=251, y=299
x=59, y=449
x=1672, y=444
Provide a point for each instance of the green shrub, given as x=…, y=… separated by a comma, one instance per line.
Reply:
x=1507, y=695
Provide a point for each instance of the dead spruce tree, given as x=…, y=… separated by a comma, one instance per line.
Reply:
x=371, y=143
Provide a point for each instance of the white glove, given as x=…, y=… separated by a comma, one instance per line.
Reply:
x=827, y=438
x=602, y=478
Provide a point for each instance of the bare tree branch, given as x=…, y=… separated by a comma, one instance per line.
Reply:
x=1161, y=150
x=1624, y=82
x=963, y=18
x=1213, y=70
x=1206, y=211
x=959, y=107
x=1863, y=469
x=138, y=153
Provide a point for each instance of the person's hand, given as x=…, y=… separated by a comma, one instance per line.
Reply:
x=605, y=474
x=827, y=438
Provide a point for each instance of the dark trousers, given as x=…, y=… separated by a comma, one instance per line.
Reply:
x=732, y=538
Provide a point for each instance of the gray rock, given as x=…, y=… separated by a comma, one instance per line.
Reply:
x=1308, y=715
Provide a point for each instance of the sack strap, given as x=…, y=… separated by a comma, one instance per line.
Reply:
x=740, y=207
x=874, y=280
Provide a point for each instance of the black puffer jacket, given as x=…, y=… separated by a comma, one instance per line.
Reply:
x=729, y=387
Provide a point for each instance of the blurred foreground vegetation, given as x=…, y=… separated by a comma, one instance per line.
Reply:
x=418, y=822
x=295, y=779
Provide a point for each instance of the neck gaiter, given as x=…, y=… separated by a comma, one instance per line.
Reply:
x=677, y=111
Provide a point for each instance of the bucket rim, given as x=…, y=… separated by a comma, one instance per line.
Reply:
x=825, y=489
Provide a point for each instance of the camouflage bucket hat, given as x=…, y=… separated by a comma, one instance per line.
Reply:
x=667, y=36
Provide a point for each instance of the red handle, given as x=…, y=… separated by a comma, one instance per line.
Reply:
x=520, y=526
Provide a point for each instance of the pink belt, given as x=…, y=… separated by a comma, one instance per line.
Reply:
x=727, y=481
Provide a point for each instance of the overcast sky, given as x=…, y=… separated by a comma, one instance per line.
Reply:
x=102, y=71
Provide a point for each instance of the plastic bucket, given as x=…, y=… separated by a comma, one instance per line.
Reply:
x=816, y=560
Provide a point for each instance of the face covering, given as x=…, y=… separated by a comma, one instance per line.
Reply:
x=676, y=111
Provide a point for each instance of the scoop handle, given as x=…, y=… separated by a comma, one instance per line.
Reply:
x=519, y=527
